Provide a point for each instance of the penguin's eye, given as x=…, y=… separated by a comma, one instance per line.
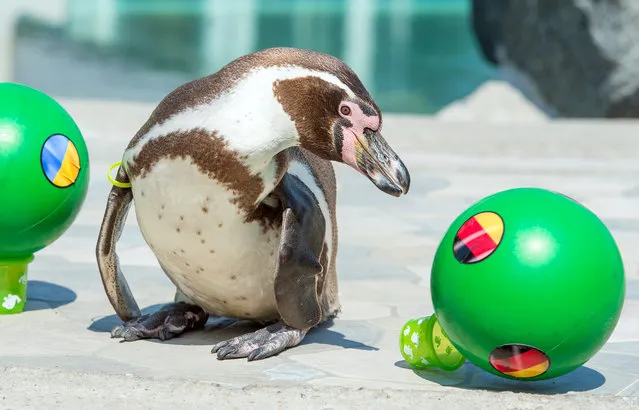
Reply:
x=345, y=110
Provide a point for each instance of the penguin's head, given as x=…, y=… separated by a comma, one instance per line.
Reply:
x=337, y=119
x=357, y=139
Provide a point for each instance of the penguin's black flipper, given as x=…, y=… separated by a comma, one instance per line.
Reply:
x=299, y=269
x=298, y=276
x=113, y=280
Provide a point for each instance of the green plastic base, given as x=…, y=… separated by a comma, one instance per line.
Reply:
x=423, y=344
x=13, y=284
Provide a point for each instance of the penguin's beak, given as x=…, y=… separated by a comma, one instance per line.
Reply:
x=377, y=160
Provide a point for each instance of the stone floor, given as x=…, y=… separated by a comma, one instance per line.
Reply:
x=387, y=246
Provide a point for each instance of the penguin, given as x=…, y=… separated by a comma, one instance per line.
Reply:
x=234, y=190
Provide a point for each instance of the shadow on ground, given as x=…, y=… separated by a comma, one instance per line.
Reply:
x=219, y=329
x=472, y=377
x=45, y=295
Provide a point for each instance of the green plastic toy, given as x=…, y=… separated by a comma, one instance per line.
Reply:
x=44, y=175
x=424, y=344
x=526, y=284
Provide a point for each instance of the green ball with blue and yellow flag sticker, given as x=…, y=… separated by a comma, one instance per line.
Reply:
x=44, y=173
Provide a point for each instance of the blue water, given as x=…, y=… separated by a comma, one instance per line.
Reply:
x=415, y=56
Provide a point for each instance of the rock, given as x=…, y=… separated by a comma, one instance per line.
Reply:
x=573, y=58
x=495, y=102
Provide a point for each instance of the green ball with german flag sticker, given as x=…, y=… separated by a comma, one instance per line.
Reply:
x=528, y=284
x=44, y=171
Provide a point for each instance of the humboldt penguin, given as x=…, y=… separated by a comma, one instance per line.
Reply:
x=235, y=194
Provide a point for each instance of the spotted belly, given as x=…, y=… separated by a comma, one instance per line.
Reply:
x=200, y=238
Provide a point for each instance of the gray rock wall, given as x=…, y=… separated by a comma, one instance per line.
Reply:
x=580, y=57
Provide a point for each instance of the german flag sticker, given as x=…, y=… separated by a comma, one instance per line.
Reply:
x=519, y=361
x=60, y=161
x=478, y=237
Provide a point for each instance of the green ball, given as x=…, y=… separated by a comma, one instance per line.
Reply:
x=44, y=170
x=528, y=284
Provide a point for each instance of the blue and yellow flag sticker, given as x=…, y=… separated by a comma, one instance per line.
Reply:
x=60, y=161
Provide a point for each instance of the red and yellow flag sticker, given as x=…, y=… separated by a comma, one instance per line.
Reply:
x=519, y=361
x=478, y=237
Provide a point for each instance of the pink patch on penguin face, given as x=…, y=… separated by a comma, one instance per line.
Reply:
x=359, y=120
x=353, y=112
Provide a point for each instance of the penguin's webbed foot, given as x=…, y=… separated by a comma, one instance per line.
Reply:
x=261, y=344
x=168, y=322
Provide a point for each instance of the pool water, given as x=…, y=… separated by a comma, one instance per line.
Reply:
x=414, y=56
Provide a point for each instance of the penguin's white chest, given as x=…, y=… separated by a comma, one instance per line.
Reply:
x=200, y=238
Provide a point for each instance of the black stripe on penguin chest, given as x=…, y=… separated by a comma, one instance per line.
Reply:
x=187, y=164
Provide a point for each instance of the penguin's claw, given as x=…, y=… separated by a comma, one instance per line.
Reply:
x=168, y=322
x=261, y=344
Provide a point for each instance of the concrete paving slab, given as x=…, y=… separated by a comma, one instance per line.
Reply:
x=62, y=339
